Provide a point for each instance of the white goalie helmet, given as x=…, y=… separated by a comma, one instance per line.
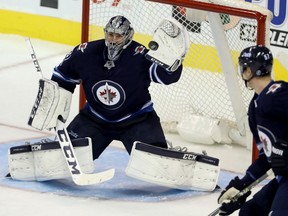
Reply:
x=122, y=26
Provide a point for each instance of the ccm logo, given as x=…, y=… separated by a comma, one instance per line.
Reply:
x=189, y=157
x=71, y=160
x=36, y=147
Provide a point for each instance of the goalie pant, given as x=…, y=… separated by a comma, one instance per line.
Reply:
x=102, y=134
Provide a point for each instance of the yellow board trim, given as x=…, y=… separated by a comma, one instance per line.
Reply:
x=69, y=32
x=42, y=27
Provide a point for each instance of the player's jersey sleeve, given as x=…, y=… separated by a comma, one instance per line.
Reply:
x=261, y=164
x=275, y=102
x=162, y=76
x=157, y=73
x=65, y=74
x=258, y=168
x=272, y=112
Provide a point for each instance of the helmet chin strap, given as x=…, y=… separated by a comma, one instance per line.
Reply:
x=248, y=80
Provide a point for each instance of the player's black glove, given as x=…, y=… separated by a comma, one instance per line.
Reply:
x=230, y=207
x=233, y=188
x=279, y=158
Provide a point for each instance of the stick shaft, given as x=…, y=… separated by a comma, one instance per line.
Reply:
x=34, y=58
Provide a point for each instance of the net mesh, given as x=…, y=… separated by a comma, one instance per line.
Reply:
x=202, y=89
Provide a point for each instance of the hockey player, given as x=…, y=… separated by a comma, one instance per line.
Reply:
x=116, y=76
x=116, y=73
x=268, y=119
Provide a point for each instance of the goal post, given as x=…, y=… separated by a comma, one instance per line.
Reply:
x=210, y=94
x=233, y=7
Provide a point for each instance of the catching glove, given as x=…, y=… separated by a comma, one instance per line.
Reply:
x=169, y=46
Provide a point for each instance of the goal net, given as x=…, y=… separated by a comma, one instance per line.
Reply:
x=210, y=91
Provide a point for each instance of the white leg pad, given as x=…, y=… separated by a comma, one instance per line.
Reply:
x=45, y=161
x=181, y=170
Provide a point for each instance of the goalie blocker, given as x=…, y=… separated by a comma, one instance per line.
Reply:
x=52, y=101
x=45, y=161
x=180, y=170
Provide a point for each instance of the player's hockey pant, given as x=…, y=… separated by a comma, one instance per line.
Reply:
x=273, y=197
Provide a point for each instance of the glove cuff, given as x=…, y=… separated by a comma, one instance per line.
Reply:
x=247, y=179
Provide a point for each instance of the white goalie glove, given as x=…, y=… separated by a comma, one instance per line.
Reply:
x=51, y=103
x=169, y=45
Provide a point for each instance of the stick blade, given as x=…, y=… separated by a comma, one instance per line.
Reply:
x=95, y=178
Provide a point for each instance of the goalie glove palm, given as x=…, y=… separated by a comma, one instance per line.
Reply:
x=170, y=45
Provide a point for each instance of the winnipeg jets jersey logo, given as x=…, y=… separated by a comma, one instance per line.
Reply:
x=273, y=88
x=267, y=139
x=109, y=94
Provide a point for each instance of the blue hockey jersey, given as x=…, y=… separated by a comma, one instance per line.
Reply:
x=115, y=91
x=268, y=119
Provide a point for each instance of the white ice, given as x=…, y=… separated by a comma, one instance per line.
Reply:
x=19, y=86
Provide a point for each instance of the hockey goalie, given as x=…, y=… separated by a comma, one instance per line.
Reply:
x=115, y=73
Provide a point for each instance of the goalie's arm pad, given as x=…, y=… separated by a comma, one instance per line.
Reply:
x=169, y=45
x=162, y=76
x=52, y=102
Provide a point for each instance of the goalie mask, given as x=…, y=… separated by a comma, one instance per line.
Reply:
x=258, y=58
x=118, y=35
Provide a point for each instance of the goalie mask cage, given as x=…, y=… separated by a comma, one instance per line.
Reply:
x=210, y=85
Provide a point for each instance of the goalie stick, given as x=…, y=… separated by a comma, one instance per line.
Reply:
x=244, y=191
x=77, y=175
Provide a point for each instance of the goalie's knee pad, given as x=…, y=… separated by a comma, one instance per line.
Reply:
x=181, y=170
x=52, y=101
x=45, y=161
